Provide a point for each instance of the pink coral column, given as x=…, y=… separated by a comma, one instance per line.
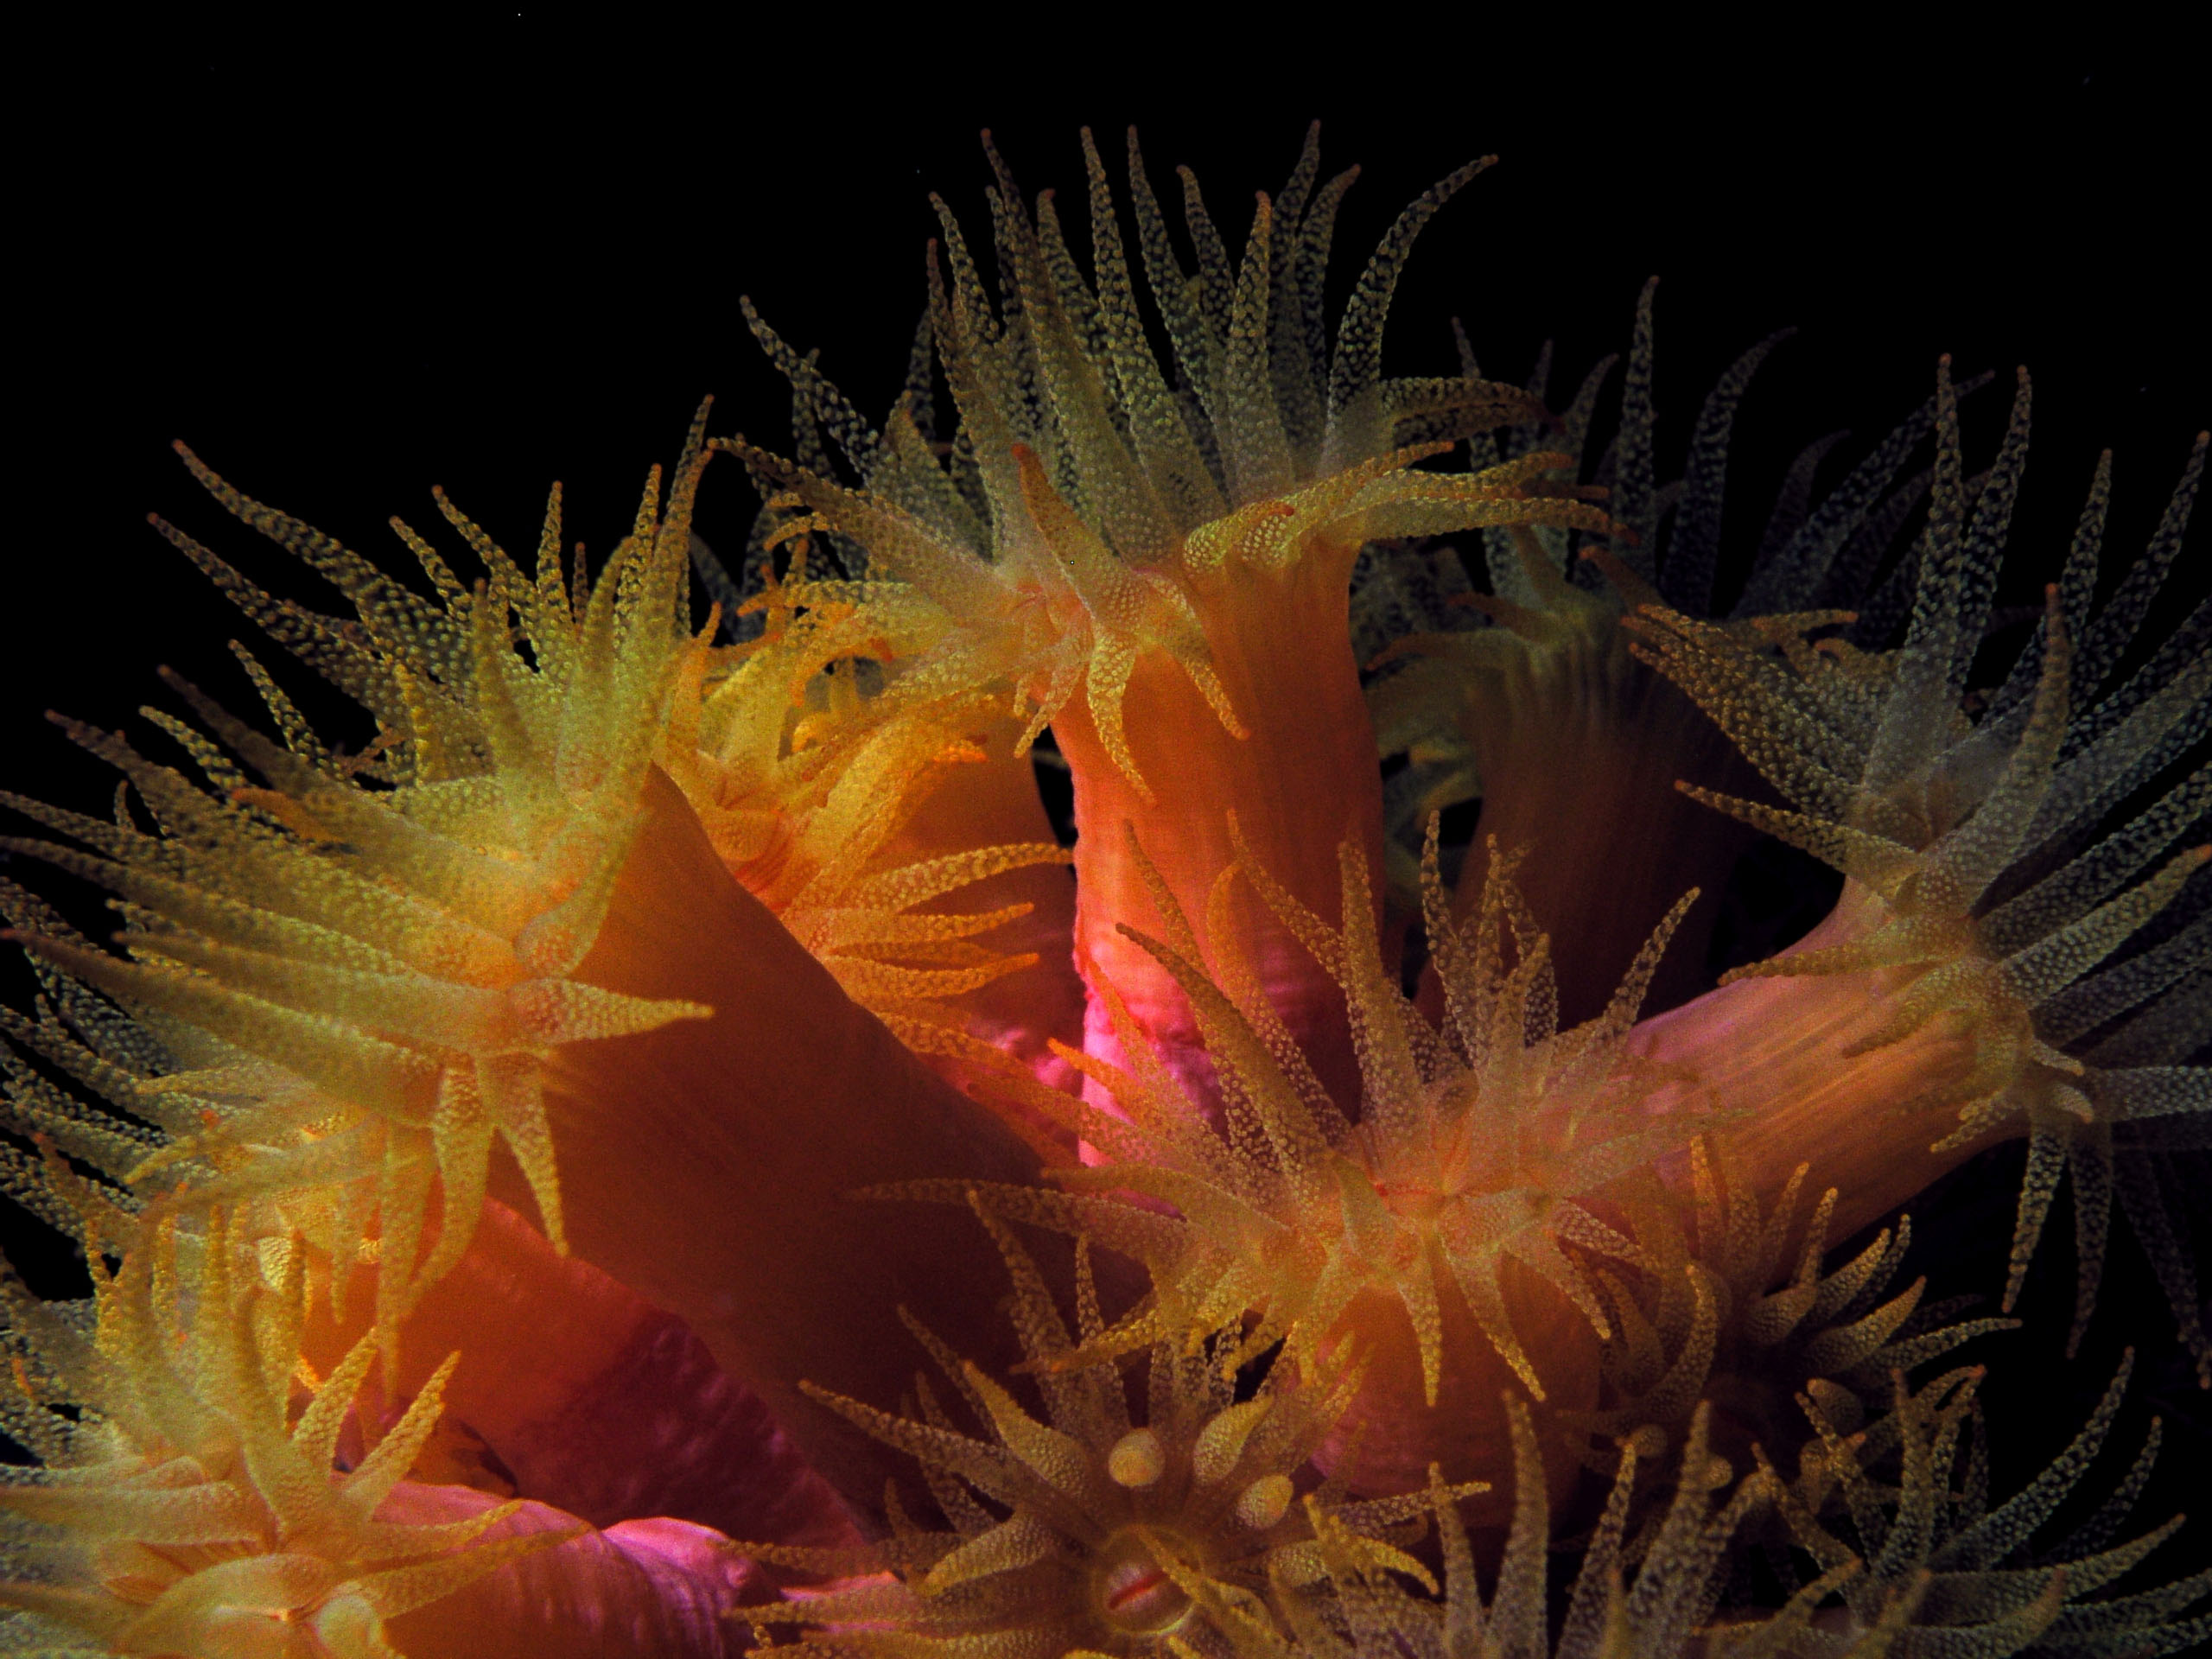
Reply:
x=1301, y=782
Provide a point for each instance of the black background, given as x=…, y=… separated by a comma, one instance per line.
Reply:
x=348, y=266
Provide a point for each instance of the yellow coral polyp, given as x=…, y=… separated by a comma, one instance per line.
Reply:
x=1101, y=504
x=1661, y=1612
x=1718, y=1315
x=359, y=970
x=1080, y=1532
x=1054, y=613
x=185, y=1507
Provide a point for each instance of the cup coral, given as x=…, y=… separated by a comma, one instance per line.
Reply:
x=507, y=1141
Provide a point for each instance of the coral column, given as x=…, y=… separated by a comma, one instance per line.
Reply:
x=575, y=1392
x=1391, y=1434
x=1776, y=1054
x=1300, y=782
x=1580, y=751
x=714, y=1170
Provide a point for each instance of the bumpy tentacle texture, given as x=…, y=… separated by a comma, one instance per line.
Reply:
x=1481, y=692
x=180, y=1505
x=1659, y=1613
x=1938, y=1571
x=1720, y=1317
x=1116, y=1536
x=347, y=980
x=1978, y=837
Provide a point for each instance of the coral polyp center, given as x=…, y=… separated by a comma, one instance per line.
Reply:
x=1131, y=1592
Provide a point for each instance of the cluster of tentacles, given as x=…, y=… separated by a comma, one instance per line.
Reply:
x=1386, y=1211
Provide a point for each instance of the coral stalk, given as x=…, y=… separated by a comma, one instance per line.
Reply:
x=1766, y=1053
x=713, y=1169
x=1301, y=781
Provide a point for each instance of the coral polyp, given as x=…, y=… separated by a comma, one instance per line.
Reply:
x=360, y=985
x=183, y=1506
x=1938, y=1567
x=517, y=1140
x=1118, y=1536
x=1475, y=1144
x=1967, y=838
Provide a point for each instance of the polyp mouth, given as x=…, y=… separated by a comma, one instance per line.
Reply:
x=1132, y=1592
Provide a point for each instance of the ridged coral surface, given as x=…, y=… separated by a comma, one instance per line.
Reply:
x=522, y=1144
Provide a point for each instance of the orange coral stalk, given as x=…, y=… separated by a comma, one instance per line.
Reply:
x=1768, y=1050
x=1269, y=585
x=1301, y=782
x=1579, y=748
x=711, y=1170
x=1394, y=1431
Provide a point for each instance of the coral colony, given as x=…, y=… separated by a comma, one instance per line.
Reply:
x=651, y=1151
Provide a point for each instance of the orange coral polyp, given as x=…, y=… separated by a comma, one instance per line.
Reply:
x=1478, y=1148
x=1121, y=562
